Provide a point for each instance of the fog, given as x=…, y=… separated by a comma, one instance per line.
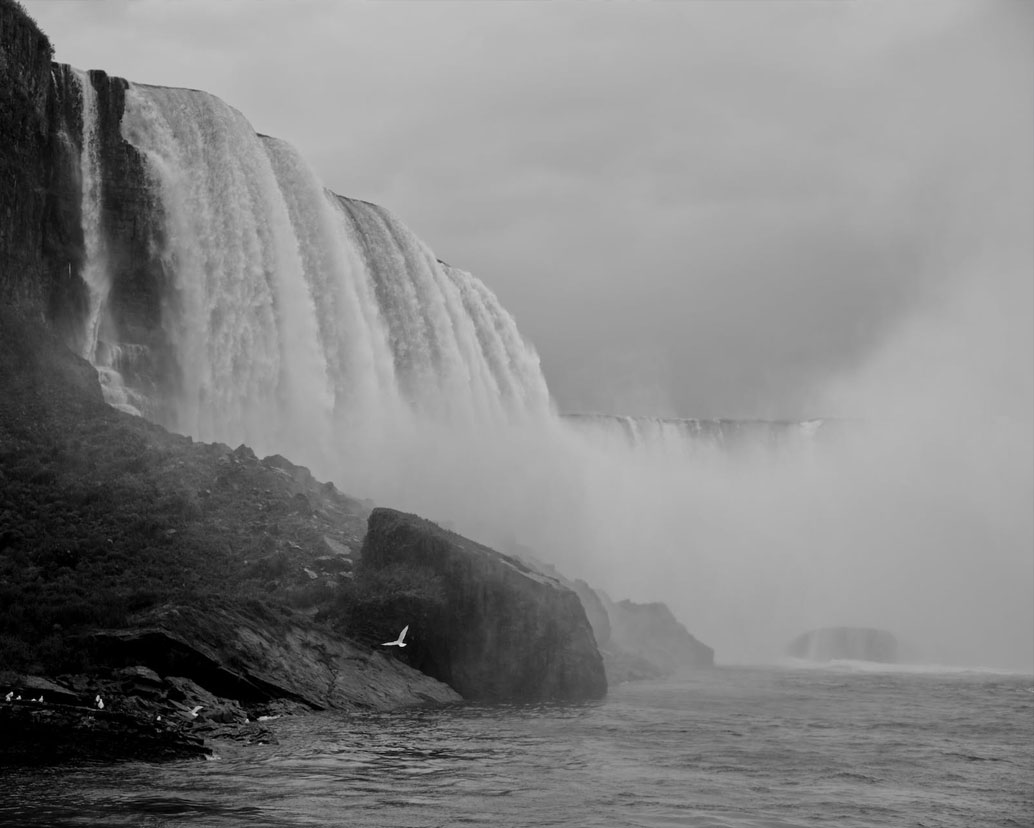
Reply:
x=839, y=227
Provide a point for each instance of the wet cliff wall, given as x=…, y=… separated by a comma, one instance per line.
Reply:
x=40, y=230
x=42, y=248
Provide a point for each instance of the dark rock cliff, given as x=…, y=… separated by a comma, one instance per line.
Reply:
x=42, y=250
x=131, y=222
x=854, y=643
x=486, y=624
x=651, y=631
x=641, y=641
x=124, y=545
x=40, y=235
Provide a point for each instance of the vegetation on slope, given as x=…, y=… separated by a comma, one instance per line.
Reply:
x=104, y=515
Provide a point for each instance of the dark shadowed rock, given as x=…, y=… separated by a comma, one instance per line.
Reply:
x=651, y=633
x=853, y=643
x=60, y=734
x=640, y=641
x=487, y=624
x=233, y=655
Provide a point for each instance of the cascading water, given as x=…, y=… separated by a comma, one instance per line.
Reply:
x=105, y=357
x=317, y=326
x=94, y=271
x=297, y=316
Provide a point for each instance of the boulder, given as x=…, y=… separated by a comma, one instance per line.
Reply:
x=486, y=624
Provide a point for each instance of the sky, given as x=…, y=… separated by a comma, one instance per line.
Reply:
x=692, y=209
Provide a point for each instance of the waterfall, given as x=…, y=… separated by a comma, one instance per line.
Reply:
x=94, y=270
x=297, y=316
x=105, y=357
x=319, y=327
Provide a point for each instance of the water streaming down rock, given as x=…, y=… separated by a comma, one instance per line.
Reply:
x=105, y=356
x=320, y=327
x=94, y=270
x=295, y=314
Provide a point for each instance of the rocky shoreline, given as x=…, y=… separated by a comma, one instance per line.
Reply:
x=193, y=587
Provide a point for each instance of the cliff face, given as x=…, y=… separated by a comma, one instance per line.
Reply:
x=853, y=643
x=484, y=623
x=42, y=249
x=640, y=641
x=40, y=232
x=652, y=632
x=122, y=544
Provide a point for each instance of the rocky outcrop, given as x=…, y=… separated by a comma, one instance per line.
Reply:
x=851, y=643
x=485, y=623
x=45, y=733
x=640, y=641
x=253, y=660
x=199, y=568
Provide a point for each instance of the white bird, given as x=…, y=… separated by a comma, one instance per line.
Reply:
x=9, y=696
x=398, y=642
x=100, y=702
x=39, y=700
x=195, y=711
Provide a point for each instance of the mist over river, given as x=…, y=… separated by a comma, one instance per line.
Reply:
x=850, y=745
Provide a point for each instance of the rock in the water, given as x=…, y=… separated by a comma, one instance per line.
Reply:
x=486, y=624
x=648, y=634
x=60, y=734
x=852, y=643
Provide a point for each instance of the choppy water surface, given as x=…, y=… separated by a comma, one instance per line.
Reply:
x=733, y=747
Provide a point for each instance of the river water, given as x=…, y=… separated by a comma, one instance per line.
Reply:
x=731, y=747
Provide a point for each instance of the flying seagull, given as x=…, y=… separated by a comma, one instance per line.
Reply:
x=398, y=642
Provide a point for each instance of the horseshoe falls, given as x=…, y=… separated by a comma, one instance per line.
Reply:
x=236, y=299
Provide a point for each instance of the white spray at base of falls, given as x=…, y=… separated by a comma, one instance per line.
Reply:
x=321, y=328
x=105, y=357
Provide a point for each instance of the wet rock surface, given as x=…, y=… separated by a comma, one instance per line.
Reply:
x=485, y=623
x=640, y=641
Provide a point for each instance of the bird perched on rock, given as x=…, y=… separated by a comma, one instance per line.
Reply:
x=9, y=696
x=99, y=702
